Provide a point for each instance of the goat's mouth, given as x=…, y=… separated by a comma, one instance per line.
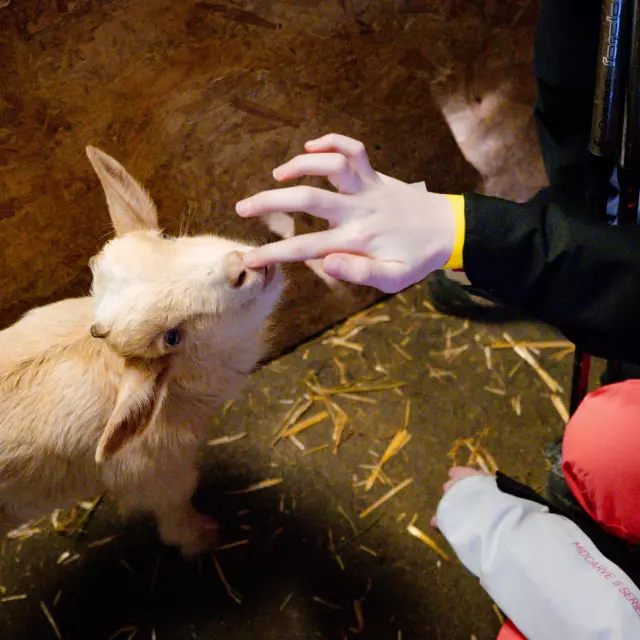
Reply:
x=269, y=275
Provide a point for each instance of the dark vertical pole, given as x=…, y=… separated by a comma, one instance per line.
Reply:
x=608, y=105
x=629, y=167
x=629, y=162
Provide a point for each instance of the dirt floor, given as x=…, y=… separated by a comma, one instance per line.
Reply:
x=304, y=557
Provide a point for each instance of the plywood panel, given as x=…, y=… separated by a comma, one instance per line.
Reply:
x=200, y=100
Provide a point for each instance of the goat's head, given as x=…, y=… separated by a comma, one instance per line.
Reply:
x=155, y=294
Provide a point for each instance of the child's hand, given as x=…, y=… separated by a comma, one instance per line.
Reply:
x=455, y=475
x=383, y=232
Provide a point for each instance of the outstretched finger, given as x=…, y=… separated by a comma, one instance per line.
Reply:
x=296, y=249
x=334, y=166
x=354, y=150
x=389, y=277
x=317, y=202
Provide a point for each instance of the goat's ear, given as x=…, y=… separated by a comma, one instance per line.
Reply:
x=143, y=389
x=130, y=206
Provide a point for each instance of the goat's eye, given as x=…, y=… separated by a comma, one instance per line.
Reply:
x=166, y=236
x=172, y=338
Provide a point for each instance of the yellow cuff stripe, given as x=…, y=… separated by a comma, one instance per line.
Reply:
x=455, y=260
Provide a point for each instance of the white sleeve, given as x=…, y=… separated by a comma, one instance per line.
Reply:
x=539, y=568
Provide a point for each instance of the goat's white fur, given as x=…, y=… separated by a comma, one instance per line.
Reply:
x=125, y=411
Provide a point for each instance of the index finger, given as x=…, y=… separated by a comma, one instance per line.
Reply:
x=317, y=202
x=296, y=249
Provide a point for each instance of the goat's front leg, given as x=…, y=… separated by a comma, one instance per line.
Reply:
x=181, y=525
x=166, y=492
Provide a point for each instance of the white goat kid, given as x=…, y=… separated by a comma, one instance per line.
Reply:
x=115, y=391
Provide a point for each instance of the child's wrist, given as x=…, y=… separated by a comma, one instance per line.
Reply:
x=457, y=206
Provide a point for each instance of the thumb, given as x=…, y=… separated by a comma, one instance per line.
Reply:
x=389, y=277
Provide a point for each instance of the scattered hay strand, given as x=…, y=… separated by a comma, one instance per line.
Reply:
x=362, y=388
x=368, y=550
x=20, y=596
x=514, y=370
x=320, y=447
x=25, y=531
x=66, y=557
x=342, y=371
x=398, y=442
x=298, y=409
x=357, y=610
x=232, y=545
x=345, y=515
x=495, y=391
x=263, y=484
x=102, y=541
x=560, y=407
x=478, y=454
x=351, y=396
x=487, y=357
x=226, y=439
x=338, y=431
x=339, y=418
x=297, y=443
x=475, y=446
x=386, y=497
x=52, y=622
x=328, y=604
x=401, y=351
x=559, y=355
x=63, y=525
x=532, y=344
x=127, y=566
x=340, y=342
x=450, y=353
x=460, y=331
x=526, y=355
x=480, y=461
x=286, y=601
x=427, y=305
x=424, y=538
x=498, y=613
x=438, y=374
x=304, y=424
x=332, y=548
x=233, y=594
x=360, y=321
x=90, y=509
x=516, y=403
x=130, y=629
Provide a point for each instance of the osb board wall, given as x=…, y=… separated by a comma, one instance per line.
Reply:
x=201, y=99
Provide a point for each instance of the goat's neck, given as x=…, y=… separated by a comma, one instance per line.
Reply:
x=217, y=368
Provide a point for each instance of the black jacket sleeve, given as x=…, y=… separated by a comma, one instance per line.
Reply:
x=582, y=277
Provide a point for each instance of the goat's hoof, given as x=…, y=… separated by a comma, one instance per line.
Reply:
x=197, y=536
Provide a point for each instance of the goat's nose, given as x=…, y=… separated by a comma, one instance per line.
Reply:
x=235, y=271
